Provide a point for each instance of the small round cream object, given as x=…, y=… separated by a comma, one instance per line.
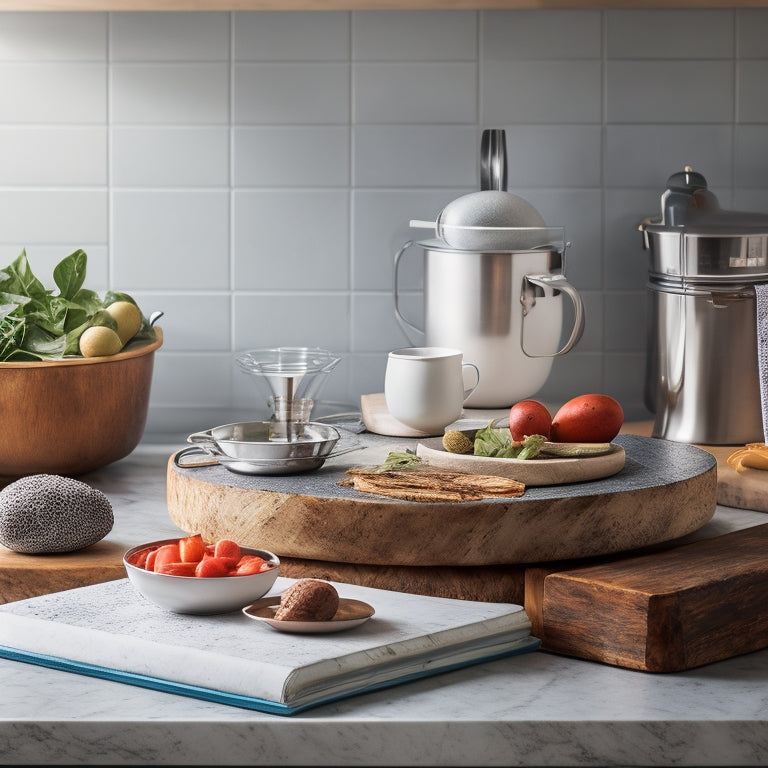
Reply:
x=128, y=318
x=99, y=341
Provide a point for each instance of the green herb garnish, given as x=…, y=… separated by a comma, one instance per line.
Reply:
x=395, y=460
x=498, y=443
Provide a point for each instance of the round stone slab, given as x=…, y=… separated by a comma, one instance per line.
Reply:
x=665, y=490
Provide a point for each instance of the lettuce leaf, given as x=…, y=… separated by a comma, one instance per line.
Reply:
x=38, y=324
x=498, y=443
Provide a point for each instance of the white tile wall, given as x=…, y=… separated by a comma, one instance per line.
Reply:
x=253, y=174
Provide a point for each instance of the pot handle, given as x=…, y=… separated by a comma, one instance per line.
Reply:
x=204, y=441
x=407, y=326
x=528, y=300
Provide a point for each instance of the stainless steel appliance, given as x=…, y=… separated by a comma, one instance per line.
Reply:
x=499, y=297
x=702, y=380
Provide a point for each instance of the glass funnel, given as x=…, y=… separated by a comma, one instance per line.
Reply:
x=291, y=379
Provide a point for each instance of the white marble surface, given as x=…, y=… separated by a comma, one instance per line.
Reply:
x=539, y=709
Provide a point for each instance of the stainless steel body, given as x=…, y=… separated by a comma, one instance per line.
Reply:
x=253, y=441
x=707, y=257
x=702, y=373
x=246, y=448
x=702, y=377
x=502, y=309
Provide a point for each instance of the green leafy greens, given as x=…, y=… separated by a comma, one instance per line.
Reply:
x=498, y=443
x=40, y=324
x=406, y=459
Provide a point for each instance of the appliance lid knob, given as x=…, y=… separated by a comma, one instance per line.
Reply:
x=686, y=192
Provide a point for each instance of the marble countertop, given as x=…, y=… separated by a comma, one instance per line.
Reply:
x=539, y=709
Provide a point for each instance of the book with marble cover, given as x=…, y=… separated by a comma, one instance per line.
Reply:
x=111, y=631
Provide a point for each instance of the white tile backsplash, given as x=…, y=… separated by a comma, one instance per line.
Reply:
x=39, y=37
x=53, y=93
x=184, y=94
x=660, y=147
x=288, y=36
x=252, y=174
x=753, y=106
x=292, y=320
x=291, y=239
x=415, y=92
x=553, y=155
x=552, y=91
x=170, y=239
x=670, y=34
x=170, y=156
x=415, y=156
x=291, y=92
x=158, y=36
x=536, y=35
x=49, y=215
x=414, y=36
x=291, y=155
x=690, y=91
x=53, y=155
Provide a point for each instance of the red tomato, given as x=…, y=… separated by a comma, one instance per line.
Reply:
x=229, y=550
x=149, y=565
x=192, y=549
x=168, y=553
x=213, y=566
x=139, y=558
x=249, y=564
x=177, y=569
x=588, y=419
x=529, y=417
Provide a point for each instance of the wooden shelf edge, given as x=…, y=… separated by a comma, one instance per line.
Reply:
x=363, y=5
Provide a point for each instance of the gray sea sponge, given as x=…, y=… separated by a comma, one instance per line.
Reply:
x=44, y=514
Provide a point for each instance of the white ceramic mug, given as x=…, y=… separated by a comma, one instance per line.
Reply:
x=424, y=386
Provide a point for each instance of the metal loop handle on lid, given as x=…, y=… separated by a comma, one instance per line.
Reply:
x=493, y=160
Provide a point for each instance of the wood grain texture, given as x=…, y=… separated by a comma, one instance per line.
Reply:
x=312, y=518
x=23, y=576
x=662, y=612
x=500, y=584
x=74, y=415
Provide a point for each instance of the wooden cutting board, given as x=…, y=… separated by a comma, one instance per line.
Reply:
x=743, y=490
x=23, y=576
x=663, y=492
x=663, y=612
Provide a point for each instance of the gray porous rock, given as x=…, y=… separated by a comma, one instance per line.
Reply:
x=46, y=514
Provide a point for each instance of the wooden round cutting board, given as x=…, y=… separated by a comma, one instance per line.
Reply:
x=664, y=491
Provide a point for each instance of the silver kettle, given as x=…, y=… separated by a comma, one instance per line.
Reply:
x=498, y=297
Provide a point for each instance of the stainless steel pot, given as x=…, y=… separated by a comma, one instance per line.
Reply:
x=503, y=309
x=494, y=278
x=702, y=379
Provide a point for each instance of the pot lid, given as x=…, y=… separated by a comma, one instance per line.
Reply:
x=688, y=203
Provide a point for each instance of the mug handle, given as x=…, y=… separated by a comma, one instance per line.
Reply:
x=468, y=392
x=528, y=299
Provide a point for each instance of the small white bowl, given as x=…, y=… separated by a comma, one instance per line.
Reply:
x=201, y=595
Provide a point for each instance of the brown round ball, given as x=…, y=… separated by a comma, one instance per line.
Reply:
x=308, y=600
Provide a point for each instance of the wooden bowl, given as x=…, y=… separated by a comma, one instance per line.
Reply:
x=71, y=416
